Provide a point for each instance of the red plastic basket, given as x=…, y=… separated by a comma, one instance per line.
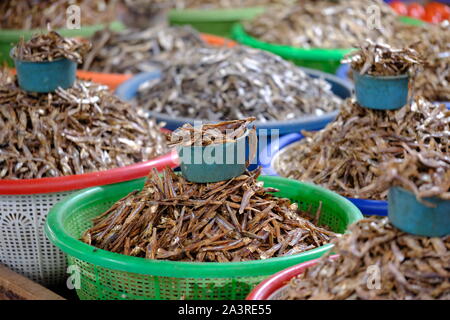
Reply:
x=24, y=205
x=269, y=287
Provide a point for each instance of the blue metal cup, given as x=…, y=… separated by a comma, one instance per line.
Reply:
x=381, y=92
x=45, y=76
x=215, y=162
x=409, y=215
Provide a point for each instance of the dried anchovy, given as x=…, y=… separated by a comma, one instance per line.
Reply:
x=30, y=14
x=323, y=23
x=207, y=134
x=134, y=51
x=426, y=173
x=379, y=59
x=233, y=220
x=410, y=267
x=346, y=155
x=73, y=131
x=51, y=46
x=235, y=83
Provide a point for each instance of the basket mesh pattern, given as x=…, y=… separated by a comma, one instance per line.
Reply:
x=97, y=282
x=24, y=247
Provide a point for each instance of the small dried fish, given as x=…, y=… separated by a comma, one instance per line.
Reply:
x=207, y=134
x=73, y=131
x=235, y=83
x=378, y=261
x=30, y=14
x=51, y=46
x=379, y=59
x=347, y=154
x=323, y=23
x=173, y=219
x=134, y=51
x=433, y=43
x=426, y=173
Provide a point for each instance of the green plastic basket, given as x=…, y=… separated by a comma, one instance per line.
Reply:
x=327, y=60
x=9, y=37
x=217, y=21
x=107, y=275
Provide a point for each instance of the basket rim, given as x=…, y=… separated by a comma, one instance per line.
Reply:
x=376, y=207
x=215, y=15
x=56, y=233
x=266, y=288
x=86, y=180
x=291, y=52
x=128, y=90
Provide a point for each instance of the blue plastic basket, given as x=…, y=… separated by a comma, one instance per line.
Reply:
x=342, y=73
x=341, y=88
x=269, y=154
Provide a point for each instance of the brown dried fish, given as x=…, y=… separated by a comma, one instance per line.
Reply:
x=73, y=131
x=426, y=173
x=378, y=261
x=51, y=46
x=173, y=219
x=323, y=23
x=30, y=14
x=134, y=51
x=433, y=43
x=207, y=134
x=347, y=154
x=379, y=59
x=235, y=83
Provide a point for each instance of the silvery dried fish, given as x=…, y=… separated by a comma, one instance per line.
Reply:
x=378, y=262
x=233, y=220
x=30, y=14
x=323, y=23
x=73, y=131
x=347, y=154
x=134, y=51
x=207, y=134
x=378, y=59
x=51, y=46
x=235, y=83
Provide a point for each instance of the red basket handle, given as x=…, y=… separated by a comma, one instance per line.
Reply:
x=93, y=179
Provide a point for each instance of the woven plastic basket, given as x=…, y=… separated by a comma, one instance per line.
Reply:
x=107, y=275
x=24, y=205
x=270, y=155
x=274, y=287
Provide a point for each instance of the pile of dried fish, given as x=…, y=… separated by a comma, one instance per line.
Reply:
x=378, y=261
x=225, y=4
x=324, y=23
x=235, y=83
x=433, y=43
x=347, y=154
x=51, y=46
x=426, y=173
x=134, y=51
x=207, y=134
x=378, y=59
x=73, y=131
x=30, y=14
x=233, y=220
